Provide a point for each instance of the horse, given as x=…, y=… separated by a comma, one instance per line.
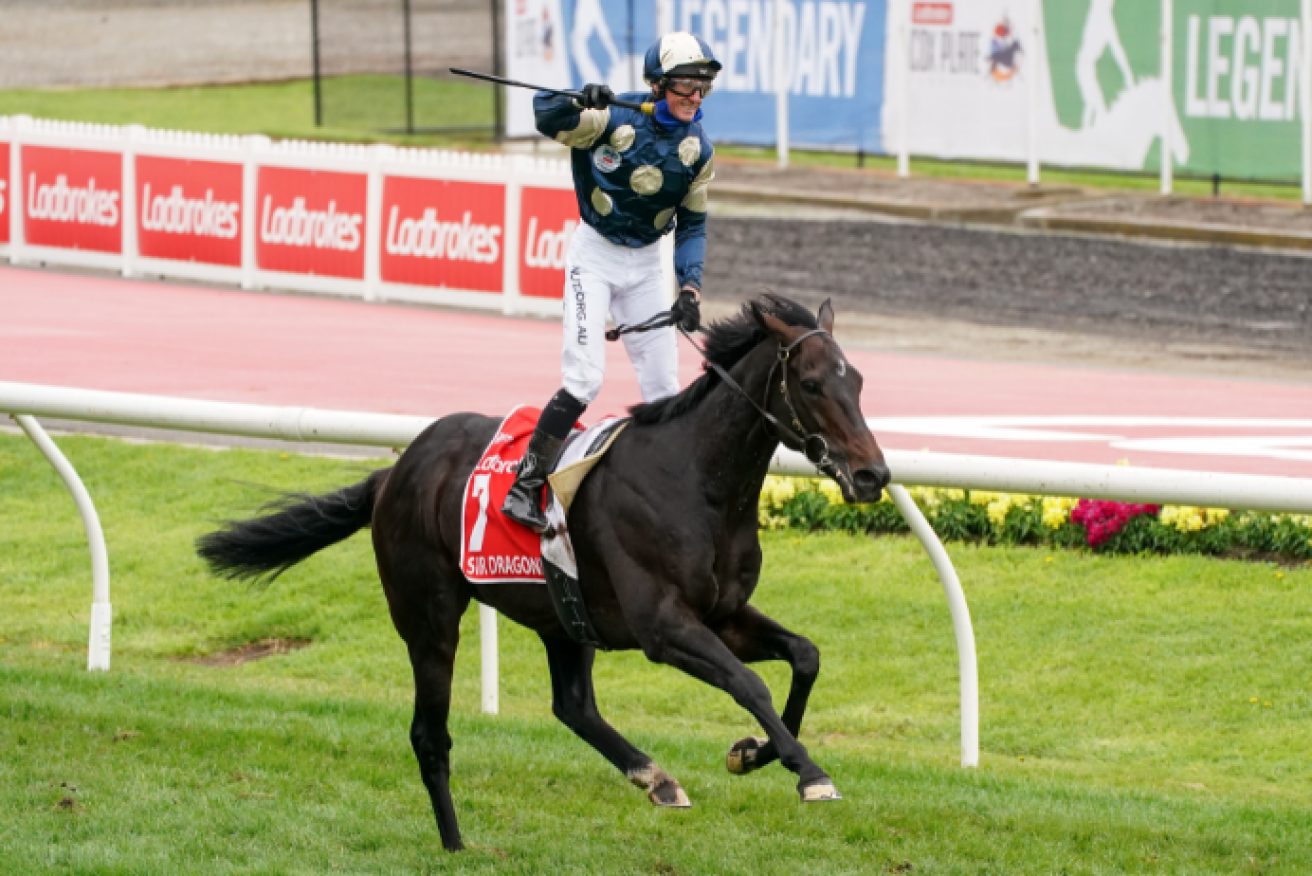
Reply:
x=665, y=534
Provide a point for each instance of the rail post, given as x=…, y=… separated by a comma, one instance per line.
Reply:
x=101, y=611
x=487, y=638
x=961, y=624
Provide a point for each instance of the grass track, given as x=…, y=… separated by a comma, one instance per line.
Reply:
x=1118, y=731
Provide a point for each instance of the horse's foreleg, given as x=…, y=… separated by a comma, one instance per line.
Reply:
x=677, y=638
x=573, y=701
x=754, y=638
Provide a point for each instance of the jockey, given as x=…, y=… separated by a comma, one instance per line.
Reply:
x=637, y=177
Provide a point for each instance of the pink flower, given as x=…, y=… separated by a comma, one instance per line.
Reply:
x=1102, y=519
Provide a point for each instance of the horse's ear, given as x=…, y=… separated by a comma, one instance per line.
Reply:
x=826, y=317
x=782, y=332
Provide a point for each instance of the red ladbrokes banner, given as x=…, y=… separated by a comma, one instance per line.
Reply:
x=6, y=193
x=444, y=234
x=547, y=219
x=492, y=547
x=74, y=198
x=189, y=210
x=311, y=222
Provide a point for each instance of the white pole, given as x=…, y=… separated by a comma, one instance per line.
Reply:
x=1035, y=54
x=128, y=238
x=904, y=93
x=782, y=81
x=966, y=663
x=1306, y=86
x=101, y=613
x=487, y=636
x=1168, y=96
x=251, y=146
x=373, y=220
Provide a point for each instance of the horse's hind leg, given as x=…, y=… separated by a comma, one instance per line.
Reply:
x=574, y=703
x=433, y=660
x=754, y=638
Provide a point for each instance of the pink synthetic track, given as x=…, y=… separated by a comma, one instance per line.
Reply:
x=100, y=332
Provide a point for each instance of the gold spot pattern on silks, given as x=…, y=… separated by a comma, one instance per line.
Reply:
x=622, y=138
x=646, y=180
x=690, y=150
x=663, y=218
x=592, y=124
x=601, y=202
x=695, y=200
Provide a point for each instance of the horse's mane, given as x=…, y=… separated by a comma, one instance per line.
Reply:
x=726, y=342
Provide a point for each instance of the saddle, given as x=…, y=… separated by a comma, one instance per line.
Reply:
x=495, y=549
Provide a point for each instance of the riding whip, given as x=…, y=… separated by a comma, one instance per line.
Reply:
x=644, y=108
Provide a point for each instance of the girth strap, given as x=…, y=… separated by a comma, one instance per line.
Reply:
x=567, y=598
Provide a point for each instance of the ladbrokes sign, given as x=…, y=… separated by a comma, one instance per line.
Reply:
x=189, y=210
x=73, y=198
x=311, y=222
x=5, y=190
x=443, y=233
x=547, y=219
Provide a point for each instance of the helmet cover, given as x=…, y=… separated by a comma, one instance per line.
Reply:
x=679, y=54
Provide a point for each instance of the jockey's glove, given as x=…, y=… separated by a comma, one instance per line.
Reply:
x=687, y=312
x=596, y=97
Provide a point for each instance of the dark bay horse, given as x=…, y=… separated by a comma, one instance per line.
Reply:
x=664, y=531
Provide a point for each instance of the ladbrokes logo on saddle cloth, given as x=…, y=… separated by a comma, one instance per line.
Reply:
x=493, y=548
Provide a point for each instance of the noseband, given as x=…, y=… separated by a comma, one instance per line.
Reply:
x=795, y=436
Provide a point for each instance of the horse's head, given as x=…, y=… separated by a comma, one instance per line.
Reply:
x=819, y=396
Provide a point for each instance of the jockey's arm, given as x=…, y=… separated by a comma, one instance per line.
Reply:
x=564, y=121
x=690, y=231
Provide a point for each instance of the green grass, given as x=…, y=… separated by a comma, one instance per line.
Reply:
x=355, y=109
x=1119, y=733
x=360, y=108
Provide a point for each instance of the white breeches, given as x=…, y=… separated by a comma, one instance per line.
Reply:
x=602, y=277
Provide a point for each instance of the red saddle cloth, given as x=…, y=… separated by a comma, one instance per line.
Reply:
x=493, y=548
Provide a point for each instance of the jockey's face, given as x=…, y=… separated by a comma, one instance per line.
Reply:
x=684, y=101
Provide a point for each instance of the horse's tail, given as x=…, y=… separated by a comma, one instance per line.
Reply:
x=301, y=525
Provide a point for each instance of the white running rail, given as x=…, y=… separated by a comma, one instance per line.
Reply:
x=1237, y=492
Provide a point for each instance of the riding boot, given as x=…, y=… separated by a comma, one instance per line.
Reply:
x=524, y=501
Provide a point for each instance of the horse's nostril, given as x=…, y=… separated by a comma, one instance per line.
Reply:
x=870, y=480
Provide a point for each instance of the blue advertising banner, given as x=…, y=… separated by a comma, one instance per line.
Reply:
x=834, y=51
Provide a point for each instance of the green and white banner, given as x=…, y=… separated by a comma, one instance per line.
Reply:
x=963, y=68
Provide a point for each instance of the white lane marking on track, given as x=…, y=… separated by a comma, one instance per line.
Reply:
x=1041, y=429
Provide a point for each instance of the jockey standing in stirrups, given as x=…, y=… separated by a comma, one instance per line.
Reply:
x=636, y=177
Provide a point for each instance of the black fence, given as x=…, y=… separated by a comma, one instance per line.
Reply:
x=381, y=65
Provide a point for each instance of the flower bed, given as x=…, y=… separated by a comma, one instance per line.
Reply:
x=1011, y=518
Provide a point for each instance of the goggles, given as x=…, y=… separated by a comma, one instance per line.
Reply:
x=686, y=86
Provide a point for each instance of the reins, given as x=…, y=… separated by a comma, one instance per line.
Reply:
x=812, y=444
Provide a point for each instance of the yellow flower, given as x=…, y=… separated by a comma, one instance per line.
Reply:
x=998, y=508
x=1183, y=518
x=983, y=497
x=831, y=491
x=1057, y=510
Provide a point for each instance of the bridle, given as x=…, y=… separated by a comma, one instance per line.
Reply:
x=795, y=436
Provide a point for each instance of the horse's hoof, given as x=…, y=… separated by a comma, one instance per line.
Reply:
x=669, y=794
x=742, y=755
x=821, y=792
x=660, y=786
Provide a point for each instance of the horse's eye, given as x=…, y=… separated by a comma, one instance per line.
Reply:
x=811, y=386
